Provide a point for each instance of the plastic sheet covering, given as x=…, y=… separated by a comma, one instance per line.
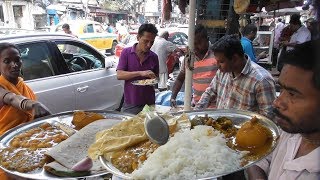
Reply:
x=163, y=98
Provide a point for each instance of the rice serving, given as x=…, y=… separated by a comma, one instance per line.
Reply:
x=191, y=154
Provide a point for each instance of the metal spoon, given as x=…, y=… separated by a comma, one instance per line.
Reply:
x=157, y=129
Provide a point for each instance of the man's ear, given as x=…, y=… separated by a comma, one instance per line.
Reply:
x=235, y=57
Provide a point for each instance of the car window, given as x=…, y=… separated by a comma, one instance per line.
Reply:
x=176, y=39
x=36, y=61
x=88, y=28
x=98, y=28
x=80, y=57
x=184, y=38
x=130, y=39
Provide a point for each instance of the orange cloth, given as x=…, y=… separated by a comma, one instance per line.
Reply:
x=10, y=116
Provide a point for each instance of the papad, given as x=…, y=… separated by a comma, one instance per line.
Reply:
x=75, y=148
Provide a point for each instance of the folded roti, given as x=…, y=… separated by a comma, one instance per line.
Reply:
x=75, y=148
x=120, y=136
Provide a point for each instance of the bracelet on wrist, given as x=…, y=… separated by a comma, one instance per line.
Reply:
x=23, y=103
x=3, y=96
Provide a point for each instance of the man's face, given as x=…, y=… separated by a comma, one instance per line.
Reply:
x=145, y=41
x=10, y=63
x=201, y=44
x=224, y=64
x=297, y=107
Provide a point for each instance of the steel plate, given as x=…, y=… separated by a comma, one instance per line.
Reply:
x=137, y=83
x=238, y=117
x=65, y=117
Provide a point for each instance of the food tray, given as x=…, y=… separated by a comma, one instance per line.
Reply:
x=138, y=83
x=66, y=118
x=238, y=117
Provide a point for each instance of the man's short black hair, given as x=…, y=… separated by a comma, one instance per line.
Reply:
x=147, y=28
x=307, y=57
x=201, y=30
x=229, y=45
x=295, y=19
x=65, y=26
x=249, y=28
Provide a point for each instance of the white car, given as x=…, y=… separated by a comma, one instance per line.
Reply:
x=66, y=73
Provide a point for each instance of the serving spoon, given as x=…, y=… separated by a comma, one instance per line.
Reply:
x=157, y=128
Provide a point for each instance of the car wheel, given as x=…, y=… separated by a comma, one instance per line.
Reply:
x=112, y=51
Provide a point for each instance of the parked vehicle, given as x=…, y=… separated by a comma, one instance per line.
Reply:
x=66, y=73
x=93, y=33
x=178, y=38
x=128, y=41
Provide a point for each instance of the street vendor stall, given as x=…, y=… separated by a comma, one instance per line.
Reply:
x=58, y=146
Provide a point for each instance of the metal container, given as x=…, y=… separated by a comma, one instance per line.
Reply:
x=238, y=117
x=66, y=118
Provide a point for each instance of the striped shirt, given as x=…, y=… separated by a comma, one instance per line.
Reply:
x=204, y=71
x=252, y=90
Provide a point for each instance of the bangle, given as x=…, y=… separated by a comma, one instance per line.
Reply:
x=171, y=100
x=5, y=94
x=23, y=103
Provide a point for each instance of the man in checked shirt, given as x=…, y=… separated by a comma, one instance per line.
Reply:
x=239, y=83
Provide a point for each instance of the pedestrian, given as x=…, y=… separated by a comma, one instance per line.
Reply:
x=301, y=33
x=297, y=114
x=162, y=47
x=17, y=101
x=239, y=83
x=66, y=29
x=205, y=67
x=276, y=43
x=136, y=63
x=314, y=28
x=249, y=33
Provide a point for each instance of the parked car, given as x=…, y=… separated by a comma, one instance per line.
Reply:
x=178, y=38
x=93, y=33
x=128, y=41
x=9, y=31
x=66, y=73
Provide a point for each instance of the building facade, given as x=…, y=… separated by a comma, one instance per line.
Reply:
x=20, y=14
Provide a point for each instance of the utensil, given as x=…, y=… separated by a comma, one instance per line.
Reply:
x=64, y=118
x=157, y=128
x=139, y=83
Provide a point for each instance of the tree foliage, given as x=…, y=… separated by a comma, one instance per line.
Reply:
x=122, y=5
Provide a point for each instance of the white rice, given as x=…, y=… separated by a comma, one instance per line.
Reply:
x=197, y=153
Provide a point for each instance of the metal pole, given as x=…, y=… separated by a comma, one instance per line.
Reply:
x=188, y=77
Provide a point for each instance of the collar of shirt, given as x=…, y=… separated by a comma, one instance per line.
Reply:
x=307, y=162
x=208, y=53
x=246, y=69
x=246, y=39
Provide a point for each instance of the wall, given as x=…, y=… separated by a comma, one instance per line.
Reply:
x=26, y=21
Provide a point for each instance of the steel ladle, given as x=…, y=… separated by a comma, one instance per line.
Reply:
x=157, y=128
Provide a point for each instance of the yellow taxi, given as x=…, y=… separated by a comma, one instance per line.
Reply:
x=93, y=33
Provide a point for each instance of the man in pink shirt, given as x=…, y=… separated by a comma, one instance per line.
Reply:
x=297, y=111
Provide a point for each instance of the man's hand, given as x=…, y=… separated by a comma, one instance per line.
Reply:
x=148, y=74
x=263, y=55
x=40, y=110
x=173, y=103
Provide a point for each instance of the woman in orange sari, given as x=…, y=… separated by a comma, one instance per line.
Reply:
x=17, y=101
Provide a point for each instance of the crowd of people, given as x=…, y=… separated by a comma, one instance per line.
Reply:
x=225, y=76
